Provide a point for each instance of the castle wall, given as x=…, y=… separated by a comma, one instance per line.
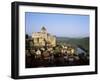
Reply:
x=43, y=38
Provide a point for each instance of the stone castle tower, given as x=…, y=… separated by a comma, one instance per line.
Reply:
x=43, y=38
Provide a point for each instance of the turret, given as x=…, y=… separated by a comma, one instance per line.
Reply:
x=43, y=30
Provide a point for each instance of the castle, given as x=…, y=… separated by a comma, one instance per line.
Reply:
x=43, y=38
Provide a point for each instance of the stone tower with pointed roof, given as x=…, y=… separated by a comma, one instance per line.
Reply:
x=43, y=38
x=43, y=30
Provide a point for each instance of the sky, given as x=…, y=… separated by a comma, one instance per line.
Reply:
x=61, y=25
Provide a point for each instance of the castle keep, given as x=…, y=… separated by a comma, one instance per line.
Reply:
x=43, y=38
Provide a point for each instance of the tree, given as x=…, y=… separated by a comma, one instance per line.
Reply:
x=27, y=36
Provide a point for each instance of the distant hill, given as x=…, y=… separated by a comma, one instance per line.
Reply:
x=62, y=38
x=82, y=42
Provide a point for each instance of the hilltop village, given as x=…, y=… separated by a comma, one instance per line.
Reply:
x=43, y=50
